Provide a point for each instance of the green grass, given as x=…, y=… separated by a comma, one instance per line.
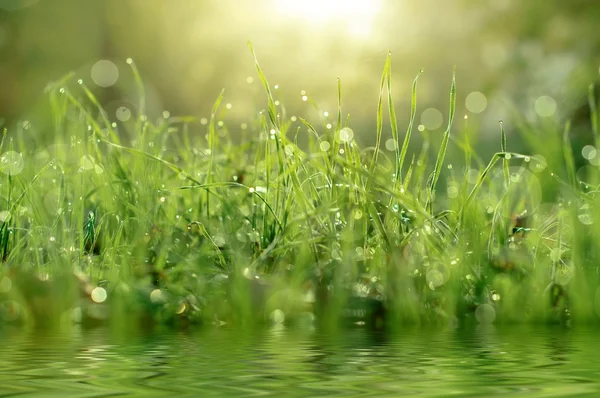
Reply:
x=174, y=222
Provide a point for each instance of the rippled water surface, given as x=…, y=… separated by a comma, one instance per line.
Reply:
x=283, y=362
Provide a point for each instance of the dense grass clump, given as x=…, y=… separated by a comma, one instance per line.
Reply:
x=151, y=222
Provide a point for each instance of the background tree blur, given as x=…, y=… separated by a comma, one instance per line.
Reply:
x=512, y=51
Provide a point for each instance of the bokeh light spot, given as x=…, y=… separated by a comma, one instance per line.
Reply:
x=346, y=134
x=432, y=119
x=123, y=113
x=5, y=284
x=545, y=106
x=99, y=294
x=157, y=296
x=390, y=144
x=588, y=152
x=476, y=102
x=86, y=162
x=278, y=316
x=12, y=163
x=485, y=314
x=434, y=279
x=104, y=73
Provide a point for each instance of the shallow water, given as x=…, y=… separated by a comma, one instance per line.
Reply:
x=283, y=362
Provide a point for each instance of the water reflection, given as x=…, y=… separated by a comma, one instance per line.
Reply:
x=476, y=362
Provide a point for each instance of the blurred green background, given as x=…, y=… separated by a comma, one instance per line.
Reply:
x=537, y=55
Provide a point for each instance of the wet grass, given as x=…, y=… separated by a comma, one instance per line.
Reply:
x=169, y=221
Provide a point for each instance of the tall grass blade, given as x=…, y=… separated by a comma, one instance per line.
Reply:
x=413, y=112
x=505, y=160
x=271, y=102
x=384, y=77
x=568, y=155
x=594, y=114
x=442, y=152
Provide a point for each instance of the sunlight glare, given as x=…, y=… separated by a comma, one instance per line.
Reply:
x=357, y=14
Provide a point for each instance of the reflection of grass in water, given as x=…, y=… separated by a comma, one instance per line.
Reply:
x=167, y=227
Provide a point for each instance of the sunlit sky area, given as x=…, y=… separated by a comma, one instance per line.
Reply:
x=357, y=16
x=537, y=55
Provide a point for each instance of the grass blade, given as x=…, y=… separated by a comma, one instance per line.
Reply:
x=568, y=154
x=505, y=160
x=442, y=152
x=272, y=109
x=413, y=111
x=593, y=114
x=384, y=77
